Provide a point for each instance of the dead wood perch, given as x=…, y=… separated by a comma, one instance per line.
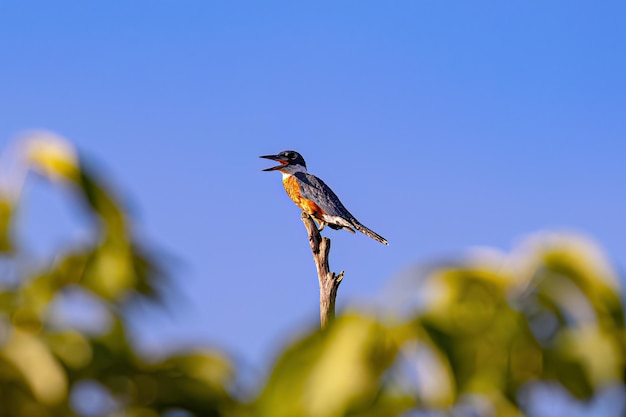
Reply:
x=329, y=281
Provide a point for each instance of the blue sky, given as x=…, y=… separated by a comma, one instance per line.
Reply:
x=441, y=125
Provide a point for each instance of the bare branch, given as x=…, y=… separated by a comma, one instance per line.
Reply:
x=328, y=281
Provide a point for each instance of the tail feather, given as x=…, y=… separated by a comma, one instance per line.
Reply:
x=370, y=233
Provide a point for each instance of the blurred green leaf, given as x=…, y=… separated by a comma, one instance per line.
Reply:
x=6, y=210
x=51, y=155
x=71, y=347
x=105, y=207
x=331, y=373
x=41, y=371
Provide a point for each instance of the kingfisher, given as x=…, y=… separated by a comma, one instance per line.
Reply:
x=314, y=197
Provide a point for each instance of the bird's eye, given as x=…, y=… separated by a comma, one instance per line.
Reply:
x=291, y=155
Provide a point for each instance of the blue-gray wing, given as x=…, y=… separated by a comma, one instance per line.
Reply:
x=314, y=189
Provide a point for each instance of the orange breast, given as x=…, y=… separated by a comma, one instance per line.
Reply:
x=293, y=191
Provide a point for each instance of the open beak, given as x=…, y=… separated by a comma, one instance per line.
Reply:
x=281, y=159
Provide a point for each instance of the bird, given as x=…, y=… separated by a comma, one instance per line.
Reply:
x=314, y=197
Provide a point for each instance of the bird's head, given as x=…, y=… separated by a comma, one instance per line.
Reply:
x=290, y=161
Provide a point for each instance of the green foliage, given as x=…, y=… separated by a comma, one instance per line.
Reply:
x=43, y=366
x=5, y=221
x=335, y=373
x=491, y=326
